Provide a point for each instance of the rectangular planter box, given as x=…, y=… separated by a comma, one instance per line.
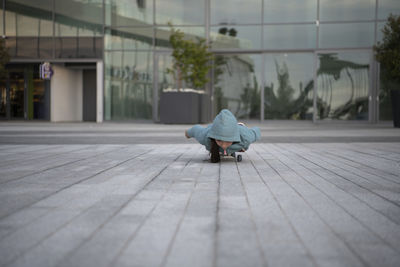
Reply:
x=180, y=107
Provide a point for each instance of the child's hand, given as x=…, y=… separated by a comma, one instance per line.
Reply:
x=186, y=134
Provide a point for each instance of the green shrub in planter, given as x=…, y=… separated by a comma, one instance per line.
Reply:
x=187, y=103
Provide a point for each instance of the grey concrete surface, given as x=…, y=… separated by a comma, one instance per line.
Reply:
x=80, y=194
x=145, y=133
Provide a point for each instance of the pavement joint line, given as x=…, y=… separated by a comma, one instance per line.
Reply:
x=363, y=201
x=44, y=157
x=255, y=228
x=361, y=186
x=37, y=218
x=366, y=153
x=315, y=154
x=308, y=252
x=116, y=212
x=341, y=206
x=170, y=244
x=57, y=166
x=70, y=185
x=369, y=166
x=371, y=158
x=346, y=243
x=25, y=152
x=217, y=219
x=132, y=236
x=345, y=161
x=77, y=215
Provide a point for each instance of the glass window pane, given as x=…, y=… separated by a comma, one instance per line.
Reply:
x=11, y=28
x=32, y=23
x=180, y=12
x=129, y=38
x=128, y=85
x=288, y=91
x=235, y=37
x=191, y=33
x=340, y=10
x=290, y=11
x=236, y=86
x=129, y=13
x=1, y=21
x=385, y=7
x=379, y=33
x=235, y=11
x=71, y=15
x=78, y=28
x=290, y=36
x=346, y=35
x=343, y=85
x=29, y=18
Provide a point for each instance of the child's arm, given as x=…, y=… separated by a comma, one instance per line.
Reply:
x=198, y=132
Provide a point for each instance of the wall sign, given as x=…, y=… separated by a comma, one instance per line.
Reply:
x=45, y=71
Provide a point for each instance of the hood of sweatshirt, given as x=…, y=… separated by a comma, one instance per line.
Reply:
x=225, y=127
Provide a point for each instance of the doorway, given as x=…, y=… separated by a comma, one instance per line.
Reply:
x=89, y=95
x=23, y=95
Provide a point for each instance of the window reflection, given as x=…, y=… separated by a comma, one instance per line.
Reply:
x=191, y=33
x=290, y=11
x=385, y=7
x=30, y=29
x=290, y=36
x=128, y=85
x=29, y=18
x=78, y=28
x=346, y=35
x=129, y=12
x=288, y=91
x=1, y=19
x=340, y=10
x=129, y=38
x=235, y=37
x=237, y=80
x=180, y=12
x=235, y=11
x=343, y=86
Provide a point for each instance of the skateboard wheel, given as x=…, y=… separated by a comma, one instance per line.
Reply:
x=239, y=158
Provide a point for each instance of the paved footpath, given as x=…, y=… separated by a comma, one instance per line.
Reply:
x=286, y=204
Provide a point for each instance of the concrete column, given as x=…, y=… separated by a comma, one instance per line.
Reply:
x=99, y=91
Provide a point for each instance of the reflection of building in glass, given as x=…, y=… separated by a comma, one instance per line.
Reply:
x=309, y=59
x=342, y=89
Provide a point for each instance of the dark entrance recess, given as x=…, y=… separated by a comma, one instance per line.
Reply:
x=23, y=95
x=89, y=95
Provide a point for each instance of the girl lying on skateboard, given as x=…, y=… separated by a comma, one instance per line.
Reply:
x=224, y=136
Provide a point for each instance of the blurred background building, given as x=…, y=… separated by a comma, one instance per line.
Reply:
x=274, y=59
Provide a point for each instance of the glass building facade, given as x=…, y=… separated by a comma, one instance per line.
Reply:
x=274, y=59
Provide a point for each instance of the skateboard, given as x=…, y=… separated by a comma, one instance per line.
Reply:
x=238, y=158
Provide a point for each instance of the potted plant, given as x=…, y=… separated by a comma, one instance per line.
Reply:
x=187, y=103
x=387, y=53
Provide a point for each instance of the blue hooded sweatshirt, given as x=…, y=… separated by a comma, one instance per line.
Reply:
x=225, y=128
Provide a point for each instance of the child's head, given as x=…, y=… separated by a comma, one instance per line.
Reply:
x=224, y=131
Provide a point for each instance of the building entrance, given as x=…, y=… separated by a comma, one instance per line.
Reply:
x=23, y=95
